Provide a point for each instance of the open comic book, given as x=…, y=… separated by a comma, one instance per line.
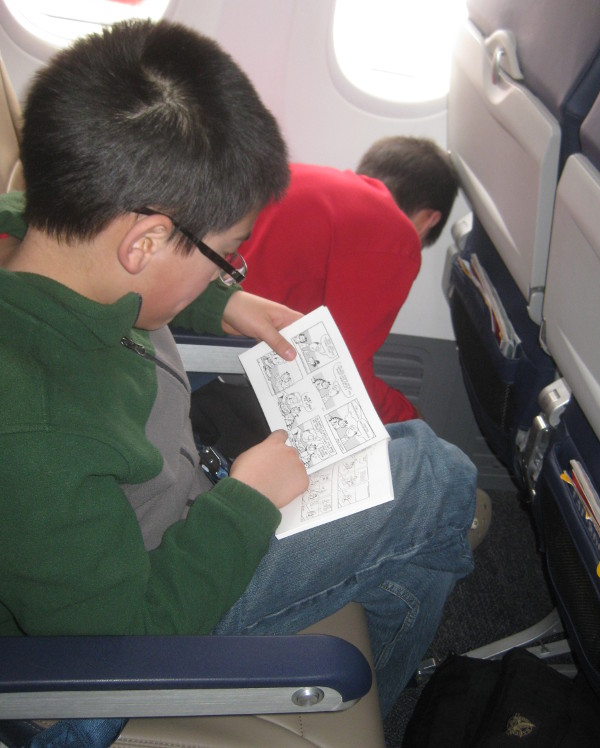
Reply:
x=320, y=400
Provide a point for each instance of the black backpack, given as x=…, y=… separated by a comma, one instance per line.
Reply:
x=517, y=701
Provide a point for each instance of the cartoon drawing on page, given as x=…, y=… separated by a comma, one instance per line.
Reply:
x=315, y=347
x=353, y=480
x=312, y=442
x=333, y=386
x=294, y=406
x=279, y=373
x=349, y=425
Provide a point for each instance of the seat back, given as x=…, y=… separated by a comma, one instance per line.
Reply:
x=566, y=79
x=571, y=308
x=515, y=110
x=11, y=172
x=536, y=232
x=511, y=96
x=566, y=505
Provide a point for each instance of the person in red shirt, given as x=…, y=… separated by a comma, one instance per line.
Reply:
x=352, y=241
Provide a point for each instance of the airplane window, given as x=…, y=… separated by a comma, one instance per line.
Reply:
x=398, y=50
x=61, y=21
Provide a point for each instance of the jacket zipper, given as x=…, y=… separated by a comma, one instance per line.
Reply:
x=141, y=351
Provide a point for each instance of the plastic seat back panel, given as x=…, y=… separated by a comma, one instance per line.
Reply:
x=572, y=301
x=506, y=146
x=557, y=44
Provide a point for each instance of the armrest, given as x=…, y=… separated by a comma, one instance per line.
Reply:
x=146, y=676
x=211, y=353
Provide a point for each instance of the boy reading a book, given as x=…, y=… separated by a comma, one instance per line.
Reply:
x=147, y=154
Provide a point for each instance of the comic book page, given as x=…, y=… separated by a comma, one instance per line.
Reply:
x=320, y=400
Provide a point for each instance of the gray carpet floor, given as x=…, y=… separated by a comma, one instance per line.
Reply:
x=507, y=592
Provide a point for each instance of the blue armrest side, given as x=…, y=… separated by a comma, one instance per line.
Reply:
x=194, y=662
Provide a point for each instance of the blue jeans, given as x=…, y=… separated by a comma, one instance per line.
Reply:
x=400, y=560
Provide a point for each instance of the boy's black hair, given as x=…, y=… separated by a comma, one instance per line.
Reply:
x=417, y=172
x=147, y=115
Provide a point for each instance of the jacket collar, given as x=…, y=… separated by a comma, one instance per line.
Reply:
x=88, y=324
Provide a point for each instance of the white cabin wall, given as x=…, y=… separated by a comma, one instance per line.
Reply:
x=285, y=48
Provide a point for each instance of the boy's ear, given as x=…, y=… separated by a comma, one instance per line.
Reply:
x=424, y=220
x=148, y=236
x=434, y=217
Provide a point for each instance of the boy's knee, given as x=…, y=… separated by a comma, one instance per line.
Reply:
x=417, y=442
x=436, y=475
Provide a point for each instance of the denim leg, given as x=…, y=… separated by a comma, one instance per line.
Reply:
x=400, y=560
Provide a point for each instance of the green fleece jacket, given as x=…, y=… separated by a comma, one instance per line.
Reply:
x=103, y=526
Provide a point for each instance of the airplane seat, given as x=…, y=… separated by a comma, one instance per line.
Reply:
x=569, y=328
x=569, y=541
x=361, y=723
x=561, y=457
x=308, y=689
x=316, y=688
x=569, y=529
x=514, y=109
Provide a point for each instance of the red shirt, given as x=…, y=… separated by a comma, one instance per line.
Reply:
x=339, y=239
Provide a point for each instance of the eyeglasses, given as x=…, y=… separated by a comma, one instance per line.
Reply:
x=233, y=266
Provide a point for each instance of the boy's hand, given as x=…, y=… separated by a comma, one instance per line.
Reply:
x=273, y=468
x=247, y=314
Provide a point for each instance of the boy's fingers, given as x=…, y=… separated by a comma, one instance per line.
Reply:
x=280, y=435
x=280, y=345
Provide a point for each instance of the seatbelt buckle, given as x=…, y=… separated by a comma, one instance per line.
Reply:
x=213, y=463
